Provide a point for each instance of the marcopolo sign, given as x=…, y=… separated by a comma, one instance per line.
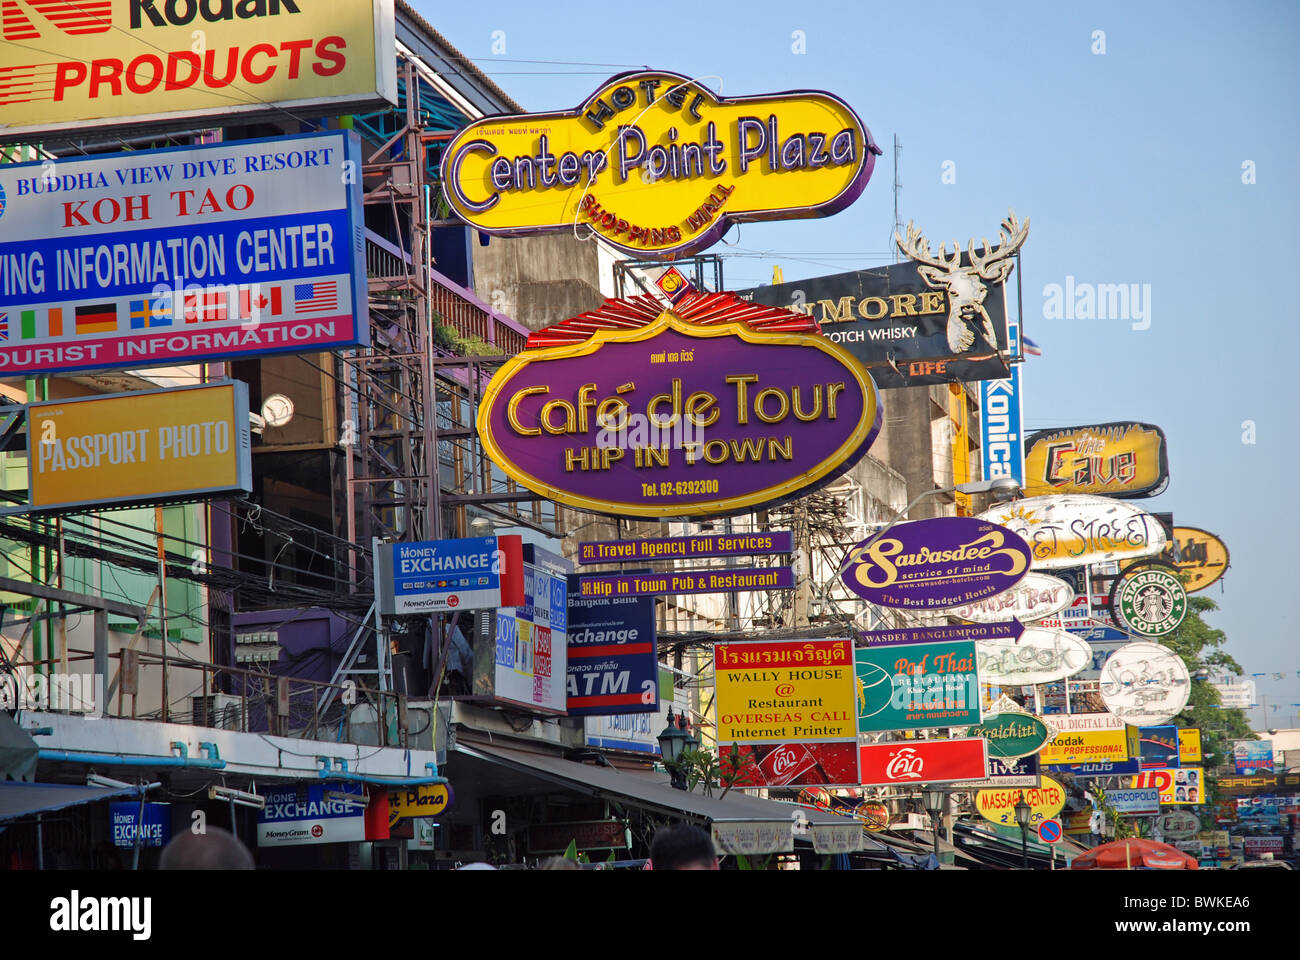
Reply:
x=1069, y=530
x=932, y=319
x=74, y=64
x=655, y=415
x=182, y=255
x=931, y=564
x=1035, y=597
x=1109, y=459
x=178, y=444
x=908, y=687
x=658, y=165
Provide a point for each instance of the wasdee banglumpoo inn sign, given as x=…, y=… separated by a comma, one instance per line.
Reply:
x=710, y=407
x=659, y=165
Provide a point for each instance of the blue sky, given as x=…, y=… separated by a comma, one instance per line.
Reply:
x=1129, y=164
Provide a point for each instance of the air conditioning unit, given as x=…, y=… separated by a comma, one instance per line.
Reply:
x=220, y=710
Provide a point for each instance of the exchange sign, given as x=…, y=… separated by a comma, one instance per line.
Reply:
x=156, y=445
x=931, y=564
x=658, y=165
x=908, y=687
x=785, y=692
x=78, y=64
x=656, y=415
x=182, y=255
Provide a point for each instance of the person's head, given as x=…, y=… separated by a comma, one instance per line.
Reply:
x=683, y=847
x=214, y=849
x=1181, y=793
x=558, y=863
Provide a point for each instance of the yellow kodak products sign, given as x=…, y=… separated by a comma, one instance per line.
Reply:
x=1086, y=746
x=159, y=445
x=659, y=165
x=86, y=63
x=1189, y=745
x=1109, y=459
x=785, y=692
x=425, y=801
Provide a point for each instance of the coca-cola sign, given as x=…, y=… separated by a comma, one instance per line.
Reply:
x=793, y=765
x=923, y=761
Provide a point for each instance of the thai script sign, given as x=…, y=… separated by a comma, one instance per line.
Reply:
x=658, y=165
x=1201, y=557
x=183, y=443
x=752, y=837
x=1073, y=529
x=434, y=575
x=999, y=806
x=158, y=257
x=1184, y=785
x=785, y=692
x=1145, y=684
x=613, y=660
x=931, y=564
x=931, y=319
x=670, y=418
x=914, y=686
x=686, y=581
x=1149, y=602
x=74, y=64
x=1087, y=738
x=1040, y=656
x=923, y=761
x=1035, y=597
x=1107, y=459
x=679, y=548
x=1102, y=768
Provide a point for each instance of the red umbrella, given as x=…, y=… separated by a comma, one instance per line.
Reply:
x=1133, y=854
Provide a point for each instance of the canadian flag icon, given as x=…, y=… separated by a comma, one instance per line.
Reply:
x=252, y=298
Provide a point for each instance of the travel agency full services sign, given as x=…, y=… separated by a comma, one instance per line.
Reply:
x=182, y=255
x=73, y=64
x=659, y=165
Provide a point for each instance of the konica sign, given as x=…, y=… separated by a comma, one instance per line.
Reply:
x=1001, y=444
x=312, y=813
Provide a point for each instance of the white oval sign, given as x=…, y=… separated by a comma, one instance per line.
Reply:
x=1037, y=596
x=1179, y=825
x=1075, y=529
x=1145, y=684
x=1040, y=656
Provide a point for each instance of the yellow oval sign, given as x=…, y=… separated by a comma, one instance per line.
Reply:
x=428, y=800
x=1202, y=557
x=659, y=165
x=999, y=806
x=1107, y=459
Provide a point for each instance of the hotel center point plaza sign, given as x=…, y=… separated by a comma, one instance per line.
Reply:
x=659, y=165
x=661, y=416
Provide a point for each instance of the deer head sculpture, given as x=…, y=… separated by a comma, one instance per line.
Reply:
x=965, y=285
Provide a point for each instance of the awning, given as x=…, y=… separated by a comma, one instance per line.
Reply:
x=18, y=800
x=739, y=817
x=17, y=751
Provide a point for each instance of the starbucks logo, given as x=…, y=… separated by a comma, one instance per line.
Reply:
x=1151, y=603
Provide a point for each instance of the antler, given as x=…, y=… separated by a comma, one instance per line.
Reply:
x=1011, y=236
x=918, y=248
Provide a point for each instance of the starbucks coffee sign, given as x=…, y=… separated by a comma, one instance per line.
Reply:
x=1149, y=602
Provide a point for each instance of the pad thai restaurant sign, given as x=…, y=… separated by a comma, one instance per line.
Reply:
x=659, y=165
x=662, y=416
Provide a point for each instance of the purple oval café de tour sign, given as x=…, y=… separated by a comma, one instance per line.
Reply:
x=640, y=410
x=930, y=564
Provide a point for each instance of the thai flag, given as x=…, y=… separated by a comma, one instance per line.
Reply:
x=1031, y=349
x=316, y=297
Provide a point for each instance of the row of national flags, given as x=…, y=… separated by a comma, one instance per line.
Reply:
x=202, y=306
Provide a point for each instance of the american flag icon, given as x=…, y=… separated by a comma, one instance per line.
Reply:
x=316, y=297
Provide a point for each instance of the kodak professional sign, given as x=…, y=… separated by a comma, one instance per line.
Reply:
x=184, y=443
x=1109, y=459
x=659, y=165
x=72, y=64
x=645, y=412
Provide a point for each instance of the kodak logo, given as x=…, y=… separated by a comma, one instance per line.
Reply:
x=178, y=13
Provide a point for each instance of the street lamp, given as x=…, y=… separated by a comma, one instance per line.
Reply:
x=1002, y=488
x=936, y=802
x=673, y=742
x=1023, y=812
